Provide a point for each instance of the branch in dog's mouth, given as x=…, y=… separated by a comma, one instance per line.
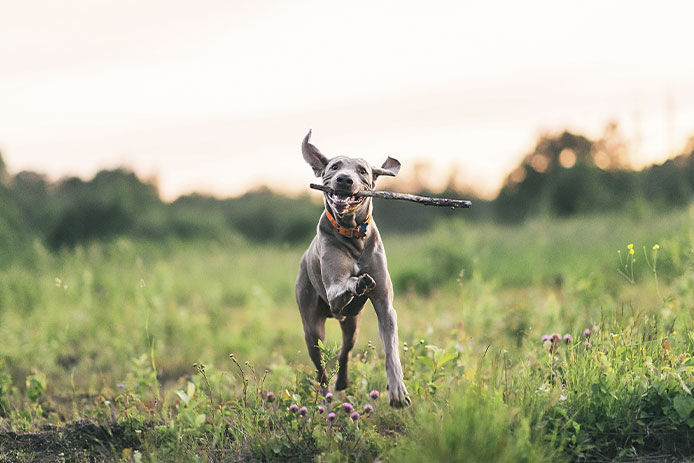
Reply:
x=425, y=200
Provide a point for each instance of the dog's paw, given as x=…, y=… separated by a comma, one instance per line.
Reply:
x=365, y=284
x=341, y=383
x=398, y=395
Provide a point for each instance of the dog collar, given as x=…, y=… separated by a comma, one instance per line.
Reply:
x=357, y=232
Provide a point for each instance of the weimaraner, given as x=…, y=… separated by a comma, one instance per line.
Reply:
x=345, y=265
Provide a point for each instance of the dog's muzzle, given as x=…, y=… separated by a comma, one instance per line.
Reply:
x=344, y=201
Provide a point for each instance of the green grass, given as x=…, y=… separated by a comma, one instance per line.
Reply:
x=108, y=334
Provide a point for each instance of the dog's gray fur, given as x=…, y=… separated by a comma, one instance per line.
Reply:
x=338, y=273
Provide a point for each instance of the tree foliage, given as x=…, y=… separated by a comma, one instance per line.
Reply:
x=565, y=174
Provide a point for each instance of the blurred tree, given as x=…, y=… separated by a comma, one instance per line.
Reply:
x=564, y=176
x=4, y=176
x=113, y=202
x=667, y=184
x=611, y=150
x=262, y=215
x=14, y=233
x=30, y=191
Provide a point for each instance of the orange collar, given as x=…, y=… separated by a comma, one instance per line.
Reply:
x=357, y=232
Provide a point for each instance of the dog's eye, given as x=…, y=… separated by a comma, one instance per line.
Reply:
x=362, y=171
x=334, y=167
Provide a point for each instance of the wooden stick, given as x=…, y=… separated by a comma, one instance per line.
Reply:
x=425, y=200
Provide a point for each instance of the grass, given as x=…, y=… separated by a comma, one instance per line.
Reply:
x=104, y=339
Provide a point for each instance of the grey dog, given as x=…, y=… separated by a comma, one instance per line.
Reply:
x=345, y=265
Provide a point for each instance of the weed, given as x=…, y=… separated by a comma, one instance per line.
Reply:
x=103, y=349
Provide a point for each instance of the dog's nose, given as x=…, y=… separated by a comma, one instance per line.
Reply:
x=344, y=180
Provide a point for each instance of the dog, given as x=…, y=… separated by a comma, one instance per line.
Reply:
x=345, y=265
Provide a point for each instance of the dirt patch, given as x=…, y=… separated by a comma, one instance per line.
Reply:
x=80, y=441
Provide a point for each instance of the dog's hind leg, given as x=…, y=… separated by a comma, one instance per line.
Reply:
x=313, y=311
x=350, y=329
x=314, y=331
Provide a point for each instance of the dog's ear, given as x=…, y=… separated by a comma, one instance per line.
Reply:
x=313, y=156
x=391, y=168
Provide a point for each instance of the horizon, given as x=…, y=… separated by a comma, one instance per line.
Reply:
x=216, y=98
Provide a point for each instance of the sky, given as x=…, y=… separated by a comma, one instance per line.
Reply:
x=216, y=96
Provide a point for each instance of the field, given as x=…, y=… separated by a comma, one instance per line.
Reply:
x=130, y=350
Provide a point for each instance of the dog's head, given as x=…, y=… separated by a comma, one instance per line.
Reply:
x=345, y=176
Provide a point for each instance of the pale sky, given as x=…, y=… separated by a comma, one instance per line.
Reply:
x=215, y=96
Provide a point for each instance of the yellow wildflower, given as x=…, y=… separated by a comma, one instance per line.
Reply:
x=631, y=251
x=630, y=246
x=656, y=247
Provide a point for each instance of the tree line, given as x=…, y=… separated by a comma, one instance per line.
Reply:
x=565, y=174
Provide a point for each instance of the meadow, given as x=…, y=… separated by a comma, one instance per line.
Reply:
x=192, y=350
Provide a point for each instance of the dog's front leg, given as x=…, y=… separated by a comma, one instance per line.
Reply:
x=341, y=286
x=388, y=329
x=341, y=292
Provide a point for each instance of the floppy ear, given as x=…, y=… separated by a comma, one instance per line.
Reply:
x=313, y=156
x=391, y=168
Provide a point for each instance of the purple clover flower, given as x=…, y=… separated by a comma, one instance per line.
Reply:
x=270, y=397
x=586, y=333
x=303, y=411
x=368, y=408
x=293, y=408
x=331, y=416
x=346, y=406
x=354, y=416
x=321, y=409
x=568, y=338
x=374, y=394
x=329, y=397
x=546, y=338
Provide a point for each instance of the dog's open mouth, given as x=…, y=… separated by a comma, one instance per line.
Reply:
x=344, y=200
